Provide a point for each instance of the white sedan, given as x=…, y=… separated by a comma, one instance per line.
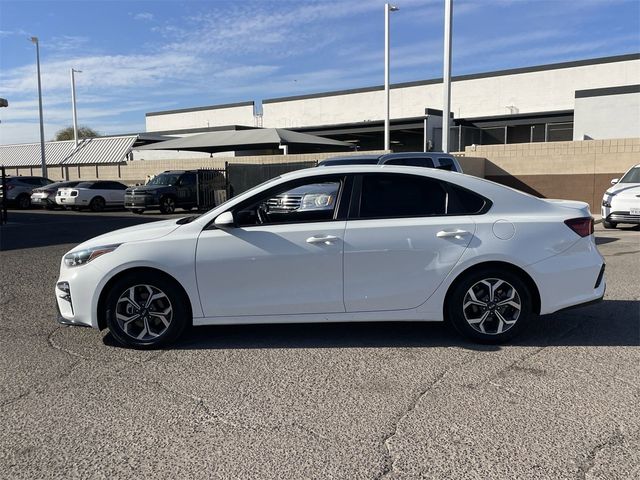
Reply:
x=621, y=202
x=351, y=243
x=95, y=195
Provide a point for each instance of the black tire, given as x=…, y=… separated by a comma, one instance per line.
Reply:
x=167, y=205
x=607, y=224
x=138, y=211
x=97, y=204
x=187, y=209
x=23, y=201
x=480, y=281
x=126, y=335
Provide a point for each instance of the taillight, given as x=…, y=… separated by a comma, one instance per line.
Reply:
x=9, y=187
x=49, y=192
x=582, y=226
x=74, y=193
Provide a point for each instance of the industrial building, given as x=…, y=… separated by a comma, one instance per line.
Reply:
x=596, y=98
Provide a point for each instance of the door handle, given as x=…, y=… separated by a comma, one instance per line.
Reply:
x=326, y=239
x=451, y=233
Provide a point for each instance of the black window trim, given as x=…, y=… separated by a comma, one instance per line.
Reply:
x=339, y=212
x=356, y=198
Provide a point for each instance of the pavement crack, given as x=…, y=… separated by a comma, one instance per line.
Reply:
x=53, y=344
x=589, y=462
x=389, y=462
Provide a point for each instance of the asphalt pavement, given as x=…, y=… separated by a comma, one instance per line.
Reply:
x=347, y=401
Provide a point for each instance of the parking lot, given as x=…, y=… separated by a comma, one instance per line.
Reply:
x=346, y=401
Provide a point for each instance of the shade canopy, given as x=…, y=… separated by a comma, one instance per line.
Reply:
x=254, y=139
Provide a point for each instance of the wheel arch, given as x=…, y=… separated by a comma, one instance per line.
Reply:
x=100, y=314
x=526, y=278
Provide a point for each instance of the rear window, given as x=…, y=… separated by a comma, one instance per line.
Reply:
x=411, y=162
x=349, y=161
x=84, y=185
x=461, y=201
x=446, y=164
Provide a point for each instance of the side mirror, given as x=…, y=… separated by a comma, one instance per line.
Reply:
x=614, y=181
x=224, y=220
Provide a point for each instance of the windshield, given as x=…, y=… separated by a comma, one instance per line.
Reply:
x=632, y=176
x=164, y=179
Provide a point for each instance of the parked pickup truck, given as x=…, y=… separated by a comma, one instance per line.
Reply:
x=166, y=192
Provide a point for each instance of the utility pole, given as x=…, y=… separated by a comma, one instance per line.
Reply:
x=73, y=105
x=446, y=77
x=388, y=8
x=34, y=40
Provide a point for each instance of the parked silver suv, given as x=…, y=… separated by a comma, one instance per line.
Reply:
x=439, y=160
x=19, y=189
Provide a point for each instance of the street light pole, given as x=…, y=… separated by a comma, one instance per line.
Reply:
x=446, y=77
x=388, y=8
x=34, y=40
x=73, y=105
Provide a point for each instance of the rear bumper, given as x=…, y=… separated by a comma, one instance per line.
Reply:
x=572, y=278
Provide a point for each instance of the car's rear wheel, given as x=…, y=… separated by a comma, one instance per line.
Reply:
x=490, y=306
x=607, y=224
x=97, y=204
x=167, y=205
x=146, y=310
x=23, y=201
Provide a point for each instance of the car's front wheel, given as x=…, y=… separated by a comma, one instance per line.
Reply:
x=146, y=310
x=490, y=306
x=167, y=205
x=607, y=224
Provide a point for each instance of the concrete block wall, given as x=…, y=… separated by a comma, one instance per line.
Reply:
x=580, y=170
x=136, y=171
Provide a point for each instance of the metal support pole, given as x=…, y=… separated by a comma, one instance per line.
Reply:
x=459, y=137
x=388, y=8
x=446, y=77
x=424, y=133
x=43, y=159
x=73, y=105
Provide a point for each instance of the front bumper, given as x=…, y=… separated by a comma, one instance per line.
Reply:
x=141, y=201
x=623, y=217
x=75, y=293
x=43, y=200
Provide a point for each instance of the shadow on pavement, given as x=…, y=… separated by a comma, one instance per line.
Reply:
x=31, y=230
x=610, y=323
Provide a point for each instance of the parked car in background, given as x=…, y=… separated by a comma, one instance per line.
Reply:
x=439, y=160
x=96, y=195
x=621, y=201
x=46, y=196
x=376, y=243
x=165, y=192
x=19, y=189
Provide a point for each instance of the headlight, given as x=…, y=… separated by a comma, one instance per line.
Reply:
x=606, y=203
x=81, y=257
x=316, y=201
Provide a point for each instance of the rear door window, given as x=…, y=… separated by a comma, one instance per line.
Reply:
x=393, y=195
x=411, y=162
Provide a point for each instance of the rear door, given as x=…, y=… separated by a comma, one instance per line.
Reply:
x=187, y=189
x=400, y=243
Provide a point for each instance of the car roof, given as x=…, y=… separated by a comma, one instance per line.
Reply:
x=347, y=158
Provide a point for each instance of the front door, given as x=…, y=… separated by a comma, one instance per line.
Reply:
x=284, y=256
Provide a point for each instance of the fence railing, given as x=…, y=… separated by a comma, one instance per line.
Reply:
x=3, y=198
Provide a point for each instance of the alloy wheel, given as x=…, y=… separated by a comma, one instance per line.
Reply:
x=492, y=306
x=144, y=312
x=169, y=205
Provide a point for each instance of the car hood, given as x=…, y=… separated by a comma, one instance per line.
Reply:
x=624, y=190
x=138, y=233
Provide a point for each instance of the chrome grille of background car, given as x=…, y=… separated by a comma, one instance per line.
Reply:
x=286, y=203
